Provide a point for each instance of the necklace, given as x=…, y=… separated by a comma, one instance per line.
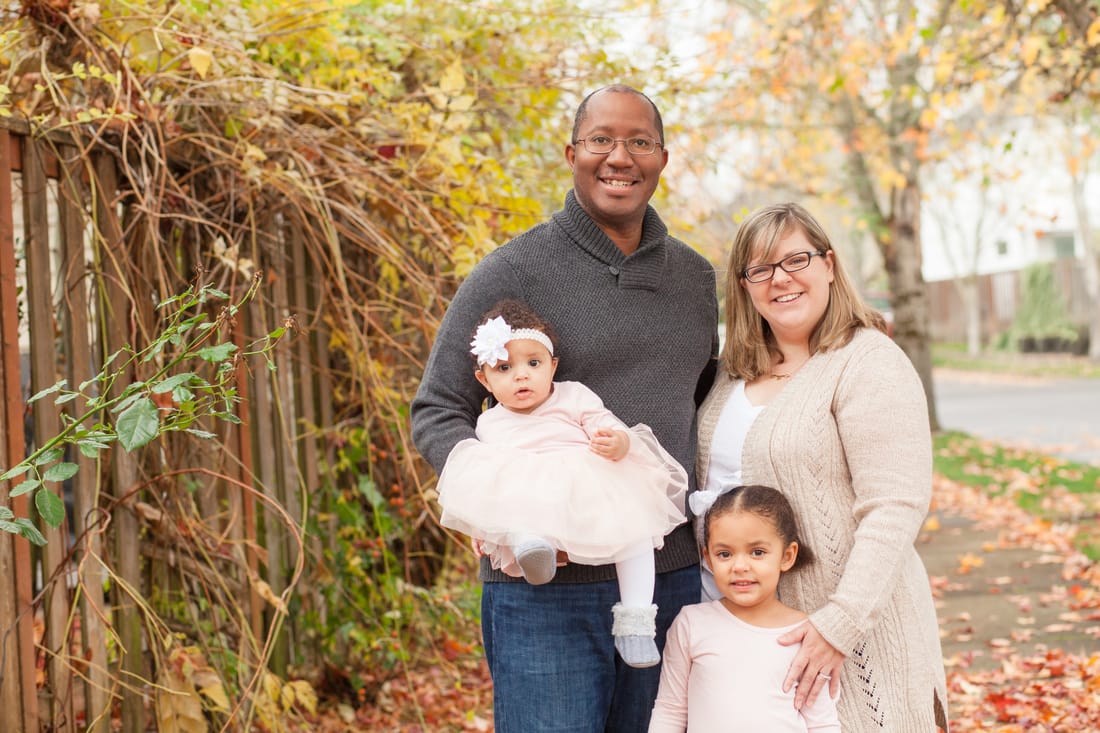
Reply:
x=787, y=375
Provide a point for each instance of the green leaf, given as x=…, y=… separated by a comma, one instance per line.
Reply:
x=124, y=404
x=114, y=356
x=213, y=293
x=201, y=433
x=84, y=385
x=154, y=350
x=48, y=390
x=173, y=299
x=221, y=352
x=6, y=513
x=90, y=449
x=228, y=417
x=169, y=384
x=181, y=395
x=60, y=472
x=49, y=456
x=7, y=526
x=23, y=488
x=15, y=471
x=66, y=398
x=139, y=424
x=28, y=530
x=50, y=507
x=370, y=491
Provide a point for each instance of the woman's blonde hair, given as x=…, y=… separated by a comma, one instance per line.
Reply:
x=750, y=346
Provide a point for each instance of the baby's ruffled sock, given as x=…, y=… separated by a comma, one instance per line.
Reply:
x=635, y=630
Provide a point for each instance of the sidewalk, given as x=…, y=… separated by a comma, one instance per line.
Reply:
x=1002, y=583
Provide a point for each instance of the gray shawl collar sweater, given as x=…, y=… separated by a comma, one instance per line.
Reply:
x=638, y=330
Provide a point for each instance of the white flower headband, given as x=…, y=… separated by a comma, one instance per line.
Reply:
x=491, y=336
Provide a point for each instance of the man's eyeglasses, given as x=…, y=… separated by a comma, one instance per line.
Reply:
x=602, y=144
x=790, y=263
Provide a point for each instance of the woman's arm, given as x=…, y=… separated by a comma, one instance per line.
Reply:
x=882, y=421
x=882, y=418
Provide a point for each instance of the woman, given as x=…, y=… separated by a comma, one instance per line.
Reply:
x=814, y=399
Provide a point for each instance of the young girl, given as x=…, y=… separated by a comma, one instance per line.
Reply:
x=553, y=470
x=724, y=668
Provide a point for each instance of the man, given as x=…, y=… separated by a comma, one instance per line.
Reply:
x=635, y=312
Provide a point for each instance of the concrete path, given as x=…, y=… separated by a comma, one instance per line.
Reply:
x=998, y=579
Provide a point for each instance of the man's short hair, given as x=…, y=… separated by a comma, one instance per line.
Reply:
x=582, y=110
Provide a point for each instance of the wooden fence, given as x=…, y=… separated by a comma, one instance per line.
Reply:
x=999, y=295
x=77, y=644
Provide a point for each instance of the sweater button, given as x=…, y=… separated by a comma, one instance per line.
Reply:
x=614, y=270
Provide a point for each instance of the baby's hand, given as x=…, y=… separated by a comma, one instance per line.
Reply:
x=610, y=444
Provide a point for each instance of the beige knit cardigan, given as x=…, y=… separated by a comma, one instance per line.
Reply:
x=847, y=441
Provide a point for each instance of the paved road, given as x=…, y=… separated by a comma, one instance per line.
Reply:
x=1059, y=416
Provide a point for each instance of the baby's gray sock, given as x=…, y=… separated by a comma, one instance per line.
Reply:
x=635, y=628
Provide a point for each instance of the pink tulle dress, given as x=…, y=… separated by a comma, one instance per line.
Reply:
x=532, y=474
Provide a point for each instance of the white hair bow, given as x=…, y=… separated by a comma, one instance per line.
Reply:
x=701, y=501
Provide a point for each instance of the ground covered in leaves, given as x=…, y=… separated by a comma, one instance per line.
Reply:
x=1024, y=686
x=1018, y=687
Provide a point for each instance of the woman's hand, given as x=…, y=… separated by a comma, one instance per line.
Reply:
x=610, y=444
x=476, y=544
x=816, y=665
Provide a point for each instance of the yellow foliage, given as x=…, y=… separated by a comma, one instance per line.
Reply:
x=1030, y=49
x=179, y=705
x=945, y=67
x=201, y=60
x=891, y=179
x=1092, y=36
x=453, y=80
x=301, y=694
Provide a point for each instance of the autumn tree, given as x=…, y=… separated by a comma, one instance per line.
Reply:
x=842, y=101
x=361, y=156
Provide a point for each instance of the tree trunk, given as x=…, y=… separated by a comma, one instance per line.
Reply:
x=1090, y=262
x=902, y=257
x=972, y=302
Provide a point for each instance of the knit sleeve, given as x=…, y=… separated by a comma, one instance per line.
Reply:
x=882, y=419
x=448, y=401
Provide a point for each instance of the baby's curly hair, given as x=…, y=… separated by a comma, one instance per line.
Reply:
x=518, y=314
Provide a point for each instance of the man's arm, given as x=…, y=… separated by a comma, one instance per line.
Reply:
x=449, y=399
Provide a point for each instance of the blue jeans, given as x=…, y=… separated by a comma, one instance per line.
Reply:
x=553, y=660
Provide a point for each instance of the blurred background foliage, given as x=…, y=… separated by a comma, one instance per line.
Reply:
x=401, y=141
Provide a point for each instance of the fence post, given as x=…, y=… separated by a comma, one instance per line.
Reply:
x=47, y=421
x=18, y=699
x=87, y=527
x=124, y=468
